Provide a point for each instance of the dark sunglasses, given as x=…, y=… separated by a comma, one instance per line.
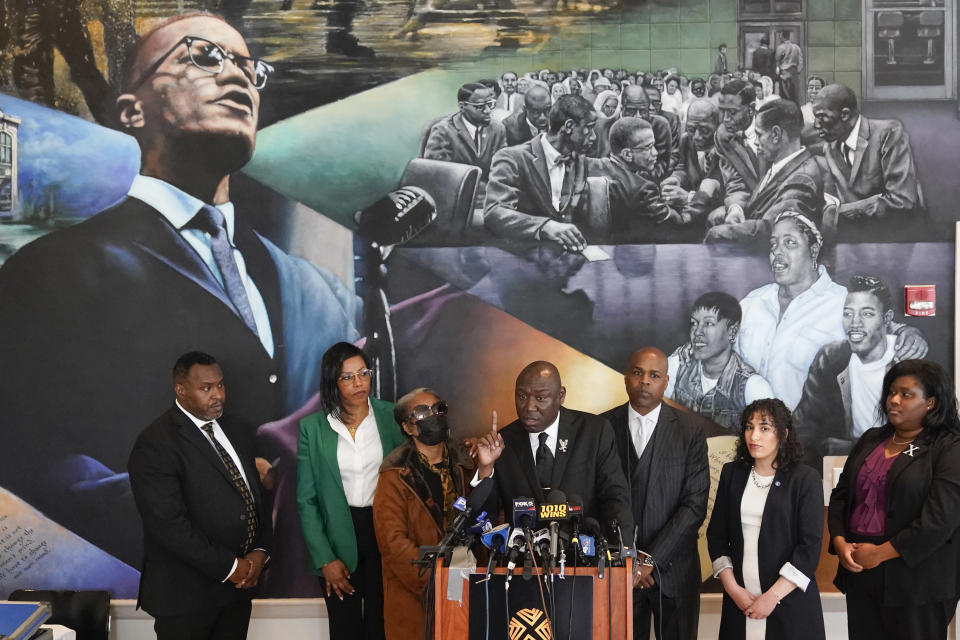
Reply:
x=422, y=411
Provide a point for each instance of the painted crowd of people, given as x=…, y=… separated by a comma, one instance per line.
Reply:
x=604, y=156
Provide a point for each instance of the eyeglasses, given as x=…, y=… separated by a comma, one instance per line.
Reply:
x=209, y=56
x=422, y=411
x=363, y=374
x=489, y=105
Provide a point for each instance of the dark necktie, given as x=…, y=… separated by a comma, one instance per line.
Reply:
x=544, y=462
x=566, y=188
x=241, y=486
x=844, y=152
x=211, y=220
x=477, y=138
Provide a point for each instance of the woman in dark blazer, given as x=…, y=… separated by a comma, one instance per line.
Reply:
x=765, y=532
x=894, y=516
x=339, y=455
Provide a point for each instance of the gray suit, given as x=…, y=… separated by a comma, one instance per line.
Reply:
x=519, y=199
x=882, y=181
x=674, y=497
x=449, y=140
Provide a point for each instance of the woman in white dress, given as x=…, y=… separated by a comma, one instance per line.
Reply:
x=765, y=533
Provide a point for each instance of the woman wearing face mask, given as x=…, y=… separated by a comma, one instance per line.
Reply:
x=339, y=455
x=765, y=532
x=894, y=516
x=419, y=483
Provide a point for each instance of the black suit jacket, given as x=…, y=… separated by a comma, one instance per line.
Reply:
x=113, y=301
x=676, y=494
x=517, y=128
x=667, y=151
x=791, y=530
x=588, y=468
x=193, y=517
x=923, y=517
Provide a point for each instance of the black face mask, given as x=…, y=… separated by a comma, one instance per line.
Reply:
x=433, y=430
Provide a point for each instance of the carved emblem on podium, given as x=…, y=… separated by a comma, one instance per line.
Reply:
x=530, y=624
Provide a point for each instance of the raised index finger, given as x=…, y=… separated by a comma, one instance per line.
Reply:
x=493, y=422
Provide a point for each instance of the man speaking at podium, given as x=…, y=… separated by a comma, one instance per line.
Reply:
x=550, y=447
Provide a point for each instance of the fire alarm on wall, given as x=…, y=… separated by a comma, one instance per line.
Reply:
x=920, y=300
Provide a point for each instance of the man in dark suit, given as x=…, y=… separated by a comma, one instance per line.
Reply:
x=636, y=204
x=206, y=529
x=740, y=166
x=763, y=59
x=636, y=104
x=655, y=98
x=696, y=184
x=794, y=180
x=872, y=164
x=538, y=190
x=150, y=278
x=469, y=136
x=530, y=121
x=663, y=453
x=550, y=447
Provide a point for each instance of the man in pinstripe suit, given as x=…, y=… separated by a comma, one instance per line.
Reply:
x=664, y=456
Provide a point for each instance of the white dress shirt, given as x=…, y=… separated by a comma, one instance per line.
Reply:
x=552, y=433
x=642, y=427
x=556, y=170
x=851, y=142
x=782, y=349
x=179, y=208
x=359, y=460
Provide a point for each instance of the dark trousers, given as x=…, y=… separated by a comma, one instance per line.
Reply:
x=790, y=88
x=869, y=619
x=678, y=617
x=360, y=616
x=216, y=623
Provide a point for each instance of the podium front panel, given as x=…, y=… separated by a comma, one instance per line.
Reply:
x=533, y=614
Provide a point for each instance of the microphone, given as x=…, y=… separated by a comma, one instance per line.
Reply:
x=467, y=507
x=554, y=533
x=397, y=217
x=524, y=513
x=591, y=525
x=496, y=540
x=623, y=552
x=516, y=544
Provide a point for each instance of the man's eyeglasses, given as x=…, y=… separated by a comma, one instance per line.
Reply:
x=209, y=56
x=363, y=374
x=488, y=105
x=422, y=411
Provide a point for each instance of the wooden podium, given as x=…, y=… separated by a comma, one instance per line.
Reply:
x=614, y=592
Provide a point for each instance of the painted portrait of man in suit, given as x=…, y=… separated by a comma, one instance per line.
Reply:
x=109, y=300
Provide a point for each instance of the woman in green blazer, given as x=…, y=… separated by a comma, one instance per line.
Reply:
x=339, y=455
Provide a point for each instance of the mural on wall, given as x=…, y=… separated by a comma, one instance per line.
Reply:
x=746, y=185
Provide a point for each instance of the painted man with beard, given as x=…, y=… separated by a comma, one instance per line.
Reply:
x=706, y=375
x=842, y=391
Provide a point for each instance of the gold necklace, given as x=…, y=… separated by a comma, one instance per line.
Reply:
x=893, y=440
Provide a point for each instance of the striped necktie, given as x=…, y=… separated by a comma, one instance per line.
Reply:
x=250, y=509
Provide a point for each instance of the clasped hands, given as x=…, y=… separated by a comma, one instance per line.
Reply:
x=756, y=608
x=248, y=570
x=857, y=556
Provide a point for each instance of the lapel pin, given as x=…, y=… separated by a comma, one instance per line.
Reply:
x=563, y=445
x=776, y=483
x=911, y=449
